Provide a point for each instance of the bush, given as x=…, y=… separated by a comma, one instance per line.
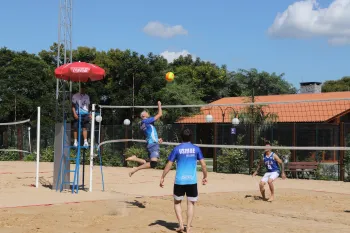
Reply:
x=47, y=154
x=30, y=157
x=233, y=160
x=110, y=159
x=9, y=155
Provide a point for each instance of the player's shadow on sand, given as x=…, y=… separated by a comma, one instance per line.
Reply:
x=169, y=225
x=136, y=203
x=257, y=198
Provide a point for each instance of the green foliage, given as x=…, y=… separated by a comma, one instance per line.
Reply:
x=47, y=154
x=9, y=155
x=347, y=159
x=255, y=114
x=254, y=83
x=327, y=172
x=30, y=157
x=342, y=84
x=233, y=160
x=180, y=94
x=109, y=159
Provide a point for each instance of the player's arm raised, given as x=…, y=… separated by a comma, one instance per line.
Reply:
x=277, y=158
x=160, y=113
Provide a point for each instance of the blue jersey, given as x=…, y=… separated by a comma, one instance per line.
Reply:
x=271, y=164
x=186, y=156
x=147, y=126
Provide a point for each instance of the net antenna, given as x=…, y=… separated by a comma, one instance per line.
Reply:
x=20, y=143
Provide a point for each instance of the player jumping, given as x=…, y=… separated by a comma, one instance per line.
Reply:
x=271, y=161
x=150, y=132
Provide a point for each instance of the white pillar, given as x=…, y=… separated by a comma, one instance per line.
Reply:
x=92, y=144
x=37, y=149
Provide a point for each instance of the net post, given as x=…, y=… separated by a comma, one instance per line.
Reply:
x=294, y=143
x=92, y=144
x=342, y=153
x=251, y=152
x=215, y=150
x=37, y=149
x=29, y=141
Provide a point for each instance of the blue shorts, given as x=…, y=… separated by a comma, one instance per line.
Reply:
x=153, y=150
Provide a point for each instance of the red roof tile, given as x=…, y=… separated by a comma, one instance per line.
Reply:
x=296, y=111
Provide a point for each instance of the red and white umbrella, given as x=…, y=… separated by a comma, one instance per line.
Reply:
x=80, y=72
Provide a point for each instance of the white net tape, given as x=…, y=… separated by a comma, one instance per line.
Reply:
x=235, y=104
x=246, y=147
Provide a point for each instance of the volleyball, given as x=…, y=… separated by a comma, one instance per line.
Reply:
x=169, y=76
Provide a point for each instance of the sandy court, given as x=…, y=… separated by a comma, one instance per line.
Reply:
x=229, y=203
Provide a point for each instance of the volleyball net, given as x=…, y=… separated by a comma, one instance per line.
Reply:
x=16, y=139
x=20, y=139
x=234, y=135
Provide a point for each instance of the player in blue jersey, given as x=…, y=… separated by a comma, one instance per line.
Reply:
x=185, y=155
x=152, y=141
x=271, y=161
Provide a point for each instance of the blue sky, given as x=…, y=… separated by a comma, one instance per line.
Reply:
x=308, y=44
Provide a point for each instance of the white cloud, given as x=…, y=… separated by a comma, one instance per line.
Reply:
x=158, y=29
x=306, y=19
x=171, y=56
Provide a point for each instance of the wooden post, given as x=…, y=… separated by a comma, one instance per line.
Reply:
x=294, y=143
x=20, y=141
x=214, y=151
x=5, y=136
x=342, y=153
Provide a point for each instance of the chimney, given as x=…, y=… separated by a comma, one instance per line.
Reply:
x=310, y=87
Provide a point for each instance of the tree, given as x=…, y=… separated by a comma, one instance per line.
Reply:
x=179, y=94
x=208, y=78
x=342, y=84
x=26, y=82
x=254, y=83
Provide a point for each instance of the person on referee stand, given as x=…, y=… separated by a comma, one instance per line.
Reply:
x=81, y=106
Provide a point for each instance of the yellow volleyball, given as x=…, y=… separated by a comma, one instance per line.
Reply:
x=169, y=76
